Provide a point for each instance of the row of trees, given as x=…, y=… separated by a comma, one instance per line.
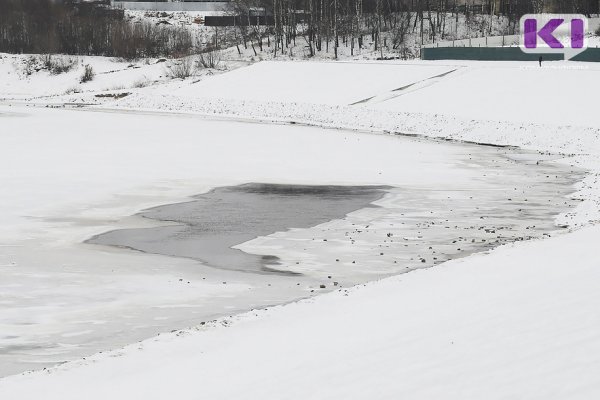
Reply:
x=331, y=23
x=46, y=26
x=587, y=7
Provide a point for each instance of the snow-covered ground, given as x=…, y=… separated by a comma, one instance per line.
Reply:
x=308, y=82
x=518, y=322
x=521, y=322
x=24, y=77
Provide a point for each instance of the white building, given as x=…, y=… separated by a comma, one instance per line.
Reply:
x=171, y=5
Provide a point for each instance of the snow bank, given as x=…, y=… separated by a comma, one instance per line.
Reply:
x=560, y=93
x=309, y=82
x=25, y=76
x=520, y=322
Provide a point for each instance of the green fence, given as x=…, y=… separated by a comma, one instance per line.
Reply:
x=591, y=55
x=499, y=54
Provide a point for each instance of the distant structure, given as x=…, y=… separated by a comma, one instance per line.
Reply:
x=93, y=7
x=171, y=5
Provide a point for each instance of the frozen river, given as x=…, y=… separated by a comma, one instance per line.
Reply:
x=326, y=206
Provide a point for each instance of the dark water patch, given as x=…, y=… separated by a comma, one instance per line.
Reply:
x=207, y=227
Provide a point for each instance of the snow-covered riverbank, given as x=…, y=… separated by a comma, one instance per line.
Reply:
x=520, y=322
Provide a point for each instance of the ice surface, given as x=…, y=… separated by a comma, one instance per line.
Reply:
x=62, y=186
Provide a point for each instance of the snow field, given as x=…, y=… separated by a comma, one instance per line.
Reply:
x=519, y=322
